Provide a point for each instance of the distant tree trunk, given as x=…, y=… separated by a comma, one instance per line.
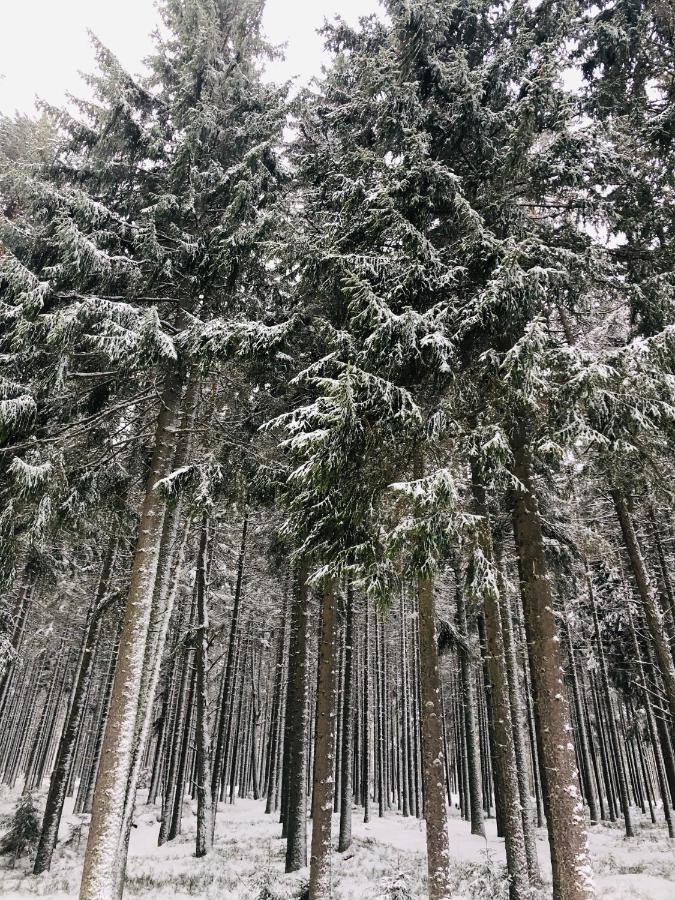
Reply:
x=669, y=593
x=470, y=720
x=505, y=754
x=19, y=616
x=405, y=718
x=203, y=738
x=648, y=596
x=366, y=714
x=64, y=759
x=611, y=720
x=88, y=796
x=345, y=840
x=653, y=737
x=324, y=766
x=276, y=717
x=567, y=832
x=582, y=735
x=223, y=734
x=296, y=718
x=379, y=710
x=435, y=810
x=176, y=821
x=520, y=738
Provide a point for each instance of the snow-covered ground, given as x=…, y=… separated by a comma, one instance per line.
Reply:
x=247, y=861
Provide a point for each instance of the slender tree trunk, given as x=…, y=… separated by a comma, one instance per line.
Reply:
x=565, y=814
x=505, y=754
x=366, y=713
x=647, y=703
x=203, y=768
x=435, y=810
x=582, y=735
x=611, y=720
x=223, y=736
x=520, y=738
x=345, y=840
x=324, y=767
x=276, y=717
x=296, y=717
x=470, y=720
x=64, y=761
x=649, y=598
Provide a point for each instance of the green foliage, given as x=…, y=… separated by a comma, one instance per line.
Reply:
x=24, y=829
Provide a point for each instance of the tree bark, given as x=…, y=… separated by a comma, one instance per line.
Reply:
x=324, y=754
x=649, y=598
x=101, y=861
x=204, y=839
x=435, y=810
x=470, y=721
x=611, y=719
x=296, y=717
x=565, y=812
x=505, y=755
x=345, y=839
x=222, y=739
x=64, y=759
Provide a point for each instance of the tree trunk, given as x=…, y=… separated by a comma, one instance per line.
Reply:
x=345, y=840
x=296, y=718
x=505, y=754
x=470, y=721
x=582, y=734
x=649, y=598
x=611, y=719
x=435, y=810
x=203, y=769
x=64, y=760
x=102, y=865
x=565, y=813
x=324, y=765
x=223, y=738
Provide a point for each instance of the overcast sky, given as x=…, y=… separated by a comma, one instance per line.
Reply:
x=43, y=43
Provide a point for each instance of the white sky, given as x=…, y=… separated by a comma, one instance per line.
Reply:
x=44, y=43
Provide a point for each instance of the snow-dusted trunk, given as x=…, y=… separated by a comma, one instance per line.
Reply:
x=365, y=761
x=88, y=784
x=224, y=721
x=296, y=734
x=666, y=801
x=170, y=560
x=379, y=720
x=433, y=765
x=64, y=758
x=470, y=720
x=570, y=860
x=159, y=626
x=668, y=591
x=101, y=861
x=176, y=731
x=582, y=733
x=19, y=615
x=505, y=754
x=648, y=596
x=203, y=737
x=622, y=783
x=347, y=728
x=604, y=754
x=405, y=724
x=324, y=750
x=276, y=717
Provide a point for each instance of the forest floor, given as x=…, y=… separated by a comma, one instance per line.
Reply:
x=387, y=860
